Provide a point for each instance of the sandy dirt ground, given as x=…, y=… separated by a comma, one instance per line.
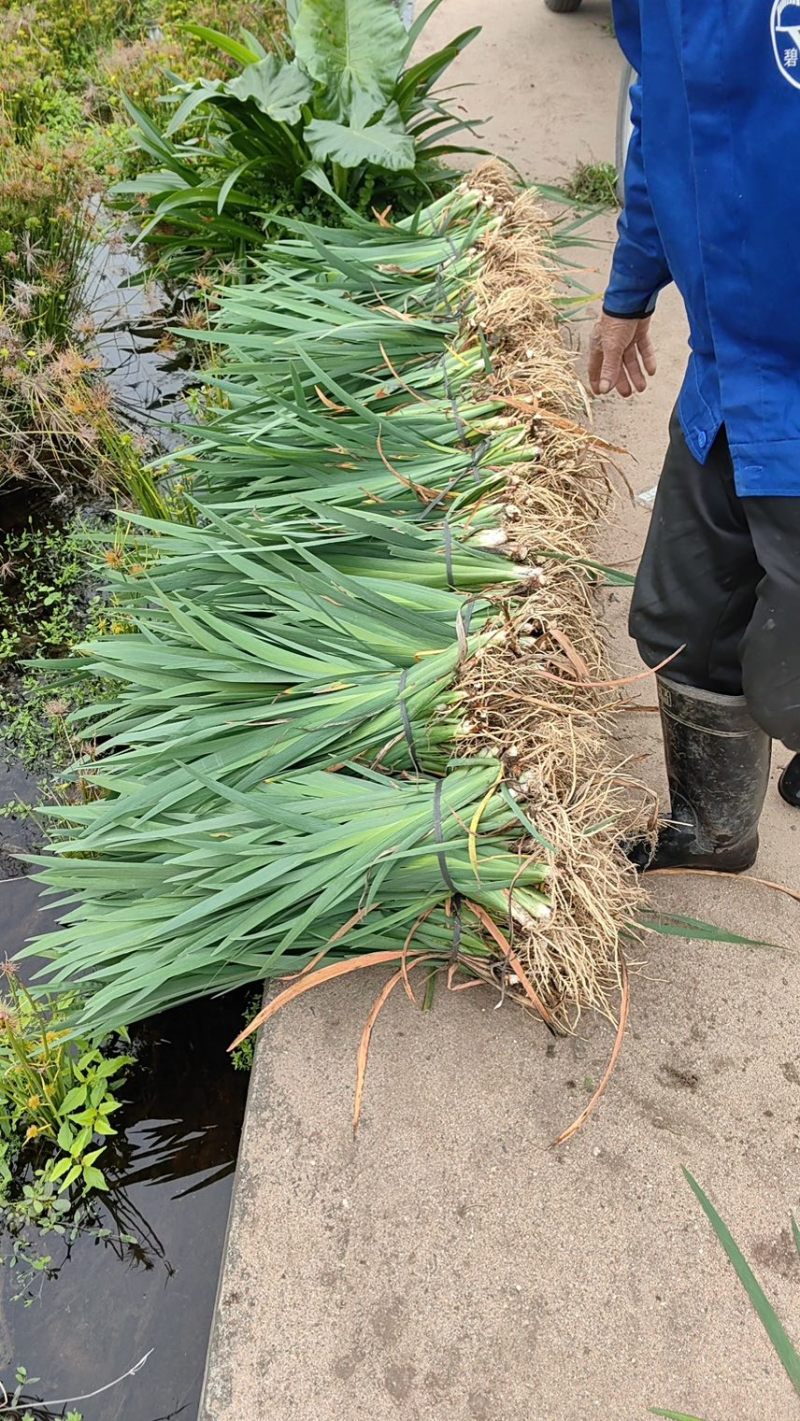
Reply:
x=449, y=1264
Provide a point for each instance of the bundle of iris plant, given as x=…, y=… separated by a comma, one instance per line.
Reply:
x=359, y=715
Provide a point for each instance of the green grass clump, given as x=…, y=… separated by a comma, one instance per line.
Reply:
x=243, y=1056
x=594, y=184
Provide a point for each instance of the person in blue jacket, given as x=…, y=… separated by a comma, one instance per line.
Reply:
x=712, y=202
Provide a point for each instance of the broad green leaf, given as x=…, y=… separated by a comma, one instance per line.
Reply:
x=70, y=1177
x=94, y=1178
x=111, y=1066
x=83, y=1117
x=60, y=1168
x=278, y=90
x=65, y=1137
x=787, y=1353
x=385, y=143
x=82, y=1139
x=74, y=1099
x=355, y=48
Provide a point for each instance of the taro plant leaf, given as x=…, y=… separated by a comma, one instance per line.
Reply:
x=212, y=194
x=278, y=90
x=386, y=144
x=788, y=1354
x=355, y=48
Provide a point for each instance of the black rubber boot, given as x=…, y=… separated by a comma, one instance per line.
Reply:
x=789, y=783
x=718, y=763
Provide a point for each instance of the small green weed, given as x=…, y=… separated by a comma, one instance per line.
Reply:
x=34, y=729
x=56, y=1091
x=594, y=184
x=57, y=1097
x=242, y=1058
x=13, y=1402
x=45, y=597
x=46, y=604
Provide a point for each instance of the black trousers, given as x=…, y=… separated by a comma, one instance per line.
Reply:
x=720, y=576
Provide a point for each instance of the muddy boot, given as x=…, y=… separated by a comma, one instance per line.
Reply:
x=718, y=764
x=789, y=783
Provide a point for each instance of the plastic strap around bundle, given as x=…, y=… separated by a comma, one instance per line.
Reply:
x=447, y=537
x=463, y=619
x=406, y=720
x=437, y=829
x=475, y=451
x=457, y=926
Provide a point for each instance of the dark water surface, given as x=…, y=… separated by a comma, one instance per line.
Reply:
x=175, y=1154
x=172, y=1179
x=132, y=318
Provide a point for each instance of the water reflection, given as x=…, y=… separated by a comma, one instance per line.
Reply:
x=104, y=1303
x=146, y=373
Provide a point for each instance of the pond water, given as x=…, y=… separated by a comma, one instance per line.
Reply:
x=171, y=1183
x=105, y=1305
x=146, y=375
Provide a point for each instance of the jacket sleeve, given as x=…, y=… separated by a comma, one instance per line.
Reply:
x=639, y=269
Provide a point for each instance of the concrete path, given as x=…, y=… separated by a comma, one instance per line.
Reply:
x=448, y=1265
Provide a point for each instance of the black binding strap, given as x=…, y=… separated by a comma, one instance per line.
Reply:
x=447, y=535
x=457, y=925
x=437, y=829
x=406, y=719
x=463, y=619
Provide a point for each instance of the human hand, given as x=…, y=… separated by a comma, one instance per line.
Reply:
x=621, y=355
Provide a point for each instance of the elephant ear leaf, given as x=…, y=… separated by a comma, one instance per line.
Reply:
x=385, y=144
x=278, y=90
x=354, y=48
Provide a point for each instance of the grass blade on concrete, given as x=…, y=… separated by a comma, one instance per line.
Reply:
x=787, y=1353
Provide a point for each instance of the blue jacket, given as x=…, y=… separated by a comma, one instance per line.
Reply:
x=712, y=201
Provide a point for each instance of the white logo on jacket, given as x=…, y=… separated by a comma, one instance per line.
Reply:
x=785, y=25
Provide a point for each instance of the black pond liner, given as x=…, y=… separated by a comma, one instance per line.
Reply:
x=103, y=1306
